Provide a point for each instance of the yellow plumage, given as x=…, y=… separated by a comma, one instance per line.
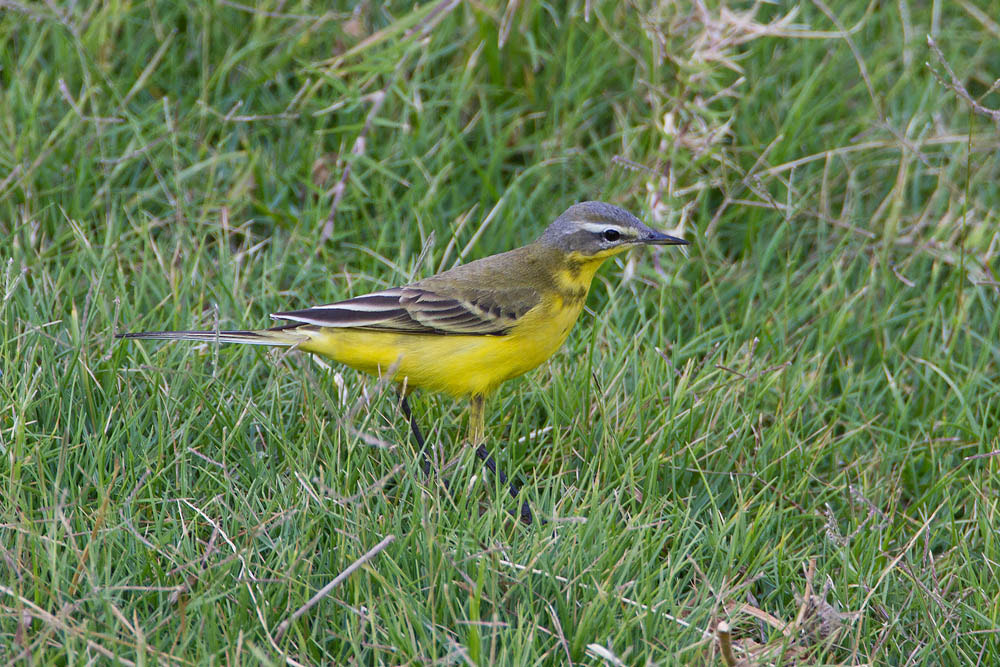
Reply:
x=462, y=365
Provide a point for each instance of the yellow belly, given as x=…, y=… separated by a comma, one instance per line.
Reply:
x=459, y=365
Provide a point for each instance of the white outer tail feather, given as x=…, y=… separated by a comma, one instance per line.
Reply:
x=284, y=337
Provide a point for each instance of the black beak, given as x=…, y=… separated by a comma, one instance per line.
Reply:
x=654, y=237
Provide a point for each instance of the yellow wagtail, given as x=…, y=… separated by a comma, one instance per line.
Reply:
x=466, y=330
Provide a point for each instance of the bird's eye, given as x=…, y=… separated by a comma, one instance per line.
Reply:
x=611, y=235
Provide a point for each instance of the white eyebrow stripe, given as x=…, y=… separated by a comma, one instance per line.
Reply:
x=598, y=227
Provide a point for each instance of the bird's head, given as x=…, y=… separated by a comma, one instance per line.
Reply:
x=593, y=230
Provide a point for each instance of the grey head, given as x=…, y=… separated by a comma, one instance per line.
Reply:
x=595, y=228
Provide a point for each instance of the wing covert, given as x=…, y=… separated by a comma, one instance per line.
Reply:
x=415, y=309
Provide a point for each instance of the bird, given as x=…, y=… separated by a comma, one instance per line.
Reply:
x=465, y=331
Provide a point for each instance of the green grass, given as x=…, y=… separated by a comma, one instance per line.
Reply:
x=792, y=427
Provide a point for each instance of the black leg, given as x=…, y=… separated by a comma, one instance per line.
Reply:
x=481, y=452
x=425, y=463
x=512, y=487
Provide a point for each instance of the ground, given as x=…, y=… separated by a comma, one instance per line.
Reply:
x=789, y=428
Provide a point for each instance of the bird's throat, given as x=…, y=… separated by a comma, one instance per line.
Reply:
x=574, y=274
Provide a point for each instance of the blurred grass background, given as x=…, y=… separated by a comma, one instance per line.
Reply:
x=792, y=428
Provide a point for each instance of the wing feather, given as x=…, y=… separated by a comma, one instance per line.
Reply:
x=417, y=309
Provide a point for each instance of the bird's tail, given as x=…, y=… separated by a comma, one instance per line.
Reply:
x=287, y=336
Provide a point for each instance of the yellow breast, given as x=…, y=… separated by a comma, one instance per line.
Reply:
x=463, y=365
x=458, y=365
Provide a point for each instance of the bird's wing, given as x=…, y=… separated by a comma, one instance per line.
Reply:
x=418, y=309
